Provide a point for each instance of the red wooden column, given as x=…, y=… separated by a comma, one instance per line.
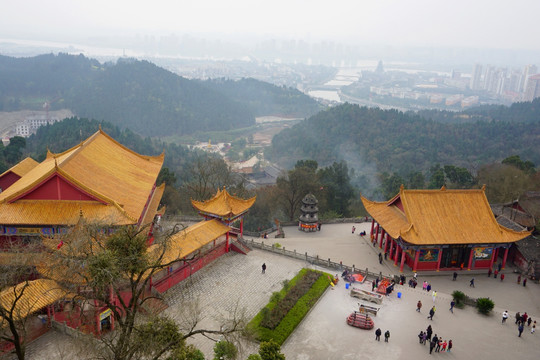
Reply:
x=242, y=227
x=372, y=227
x=227, y=242
x=397, y=254
x=391, y=248
x=505, y=256
x=386, y=243
x=383, y=234
x=439, y=260
x=492, y=259
x=471, y=255
x=402, y=260
x=49, y=315
x=416, y=257
x=376, y=235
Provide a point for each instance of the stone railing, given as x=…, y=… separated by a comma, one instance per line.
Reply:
x=318, y=261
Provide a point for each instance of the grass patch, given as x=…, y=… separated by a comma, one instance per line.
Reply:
x=290, y=320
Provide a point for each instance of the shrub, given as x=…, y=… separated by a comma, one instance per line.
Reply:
x=269, y=350
x=484, y=305
x=287, y=325
x=225, y=350
x=289, y=300
x=254, y=357
x=286, y=284
x=277, y=245
x=459, y=297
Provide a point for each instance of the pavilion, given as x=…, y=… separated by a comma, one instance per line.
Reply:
x=440, y=230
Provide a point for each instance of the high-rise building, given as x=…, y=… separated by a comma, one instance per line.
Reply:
x=533, y=87
x=528, y=71
x=476, y=77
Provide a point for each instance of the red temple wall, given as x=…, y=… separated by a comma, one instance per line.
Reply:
x=8, y=180
x=186, y=270
x=57, y=188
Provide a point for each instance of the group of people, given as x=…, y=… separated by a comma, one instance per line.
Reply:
x=378, y=334
x=521, y=321
x=426, y=286
x=435, y=342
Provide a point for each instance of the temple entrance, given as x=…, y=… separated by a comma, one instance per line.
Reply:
x=454, y=256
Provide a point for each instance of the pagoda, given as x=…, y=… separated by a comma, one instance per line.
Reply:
x=309, y=220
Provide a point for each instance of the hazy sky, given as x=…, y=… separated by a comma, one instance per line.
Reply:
x=465, y=23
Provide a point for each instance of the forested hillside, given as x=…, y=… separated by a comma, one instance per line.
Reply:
x=264, y=98
x=141, y=96
x=393, y=141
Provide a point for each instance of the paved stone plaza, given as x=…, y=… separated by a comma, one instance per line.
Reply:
x=234, y=282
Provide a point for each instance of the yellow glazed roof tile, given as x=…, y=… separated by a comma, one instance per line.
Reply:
x=190, y=240
x=441, y=217
x=36, y=295
x=103, y=168
x=223, y=204
x=22, y=167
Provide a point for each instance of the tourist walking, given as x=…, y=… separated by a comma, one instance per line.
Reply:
x=502, y=277
x=489, y=272
x=499, y=267
x=424, y=338
x=525, y=282
x=533, y=329
x=418, y=306
x=421, y=337
x=378, y=333
x=432, y=345
x=434, y=295
x=471, y=284
x=439, y=343
x=455, y=276
x=452, y=304
x=518, y=317
x=424, y=285
x=495, y=274
x=263, y=268
x=429, y=331
x=449, y=346
x=380, y=258
x=428, y=287
x=524, y=317
x=386, y=335
x=519, y=279
x=504, y=316
x=520, y=329
x=353, y=229
x=444, y=345
x=529, y=320
x=431, y=313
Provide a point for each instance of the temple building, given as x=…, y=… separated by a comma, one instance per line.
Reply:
x=440, y=230
x=99, y=179
x=309, y=218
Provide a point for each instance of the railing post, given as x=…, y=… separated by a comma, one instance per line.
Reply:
x=352, y=268
x=328, y=262
x=306, y=256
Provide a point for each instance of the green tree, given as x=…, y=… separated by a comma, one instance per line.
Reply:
x=225, y=350
x=504, y=183
x=293, y=186
x=166, y=176
x=270, y=350
x=437, y=177
x=337, y=188
x=390, y=185
x=526, y=166
x=416, y=180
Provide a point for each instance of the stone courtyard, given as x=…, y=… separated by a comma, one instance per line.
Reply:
x=234, y=284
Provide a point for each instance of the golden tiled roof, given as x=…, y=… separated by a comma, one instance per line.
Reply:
x=190, y=240
x=36, y=295
x=441, y=217
x=223, y=204
x=120, y=179
x=22, y=167
x=153, y=205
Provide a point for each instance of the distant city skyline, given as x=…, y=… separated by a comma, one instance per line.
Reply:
x=494, y=24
